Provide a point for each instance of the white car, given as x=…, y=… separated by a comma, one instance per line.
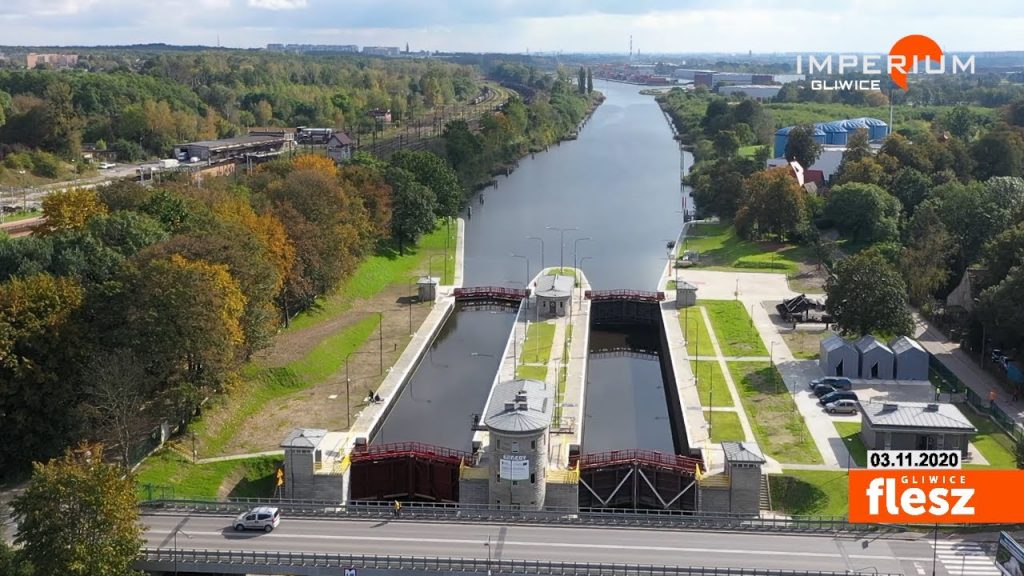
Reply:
x=107, y=165
x=264, y=518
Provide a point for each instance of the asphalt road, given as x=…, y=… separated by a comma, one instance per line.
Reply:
x=564, y=544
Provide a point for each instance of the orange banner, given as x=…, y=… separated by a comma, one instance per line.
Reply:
x=936, y=496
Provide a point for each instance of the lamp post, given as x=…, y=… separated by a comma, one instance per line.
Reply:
x=412, y=295
x=575, y=244
x=935, y=547
x=176, y=531
x=380, y=339
x=582, y=260
x=561, y=243
x=541, y=240
x=488, y=546
x=430, y=264
x=527, y=261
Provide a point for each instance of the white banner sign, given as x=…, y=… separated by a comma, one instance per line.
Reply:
x=515, y=468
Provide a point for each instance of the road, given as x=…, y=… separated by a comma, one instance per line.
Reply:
x=905, y=554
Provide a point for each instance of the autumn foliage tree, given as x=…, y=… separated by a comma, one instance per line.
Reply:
x=79, y=516
x=773, y=205
x=70, y=209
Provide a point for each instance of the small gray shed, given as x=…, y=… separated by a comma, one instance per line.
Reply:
x=876, y=359
x=837, y=357
x=911, y=359
x=686, y=294
x=553, y=293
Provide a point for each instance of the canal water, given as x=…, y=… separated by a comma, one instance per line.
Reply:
x=618, y=183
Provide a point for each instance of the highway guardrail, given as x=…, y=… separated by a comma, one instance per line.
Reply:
x=563, y=516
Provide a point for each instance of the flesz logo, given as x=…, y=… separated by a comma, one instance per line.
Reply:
x=936, y=496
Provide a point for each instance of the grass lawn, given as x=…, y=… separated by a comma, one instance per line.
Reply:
x=382, y=270
x=532, y=372
x=695, y=331
x=721, y=249
x=21, y=215
x=725, y=426
x=810, y=492
x=805, y=345
x=711, y=384
x=168, y=474
x=748, y=151
x=263, y=385
x=850, y=433
x=995, y=445
x=733, y=328
x=537, y=348
x=778, y=426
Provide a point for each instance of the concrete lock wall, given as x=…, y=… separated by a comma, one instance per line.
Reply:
x=474, y=491
x=528, y=493
x=565, y=496
x=714, y=500
x=298, y=473
x=745, y=488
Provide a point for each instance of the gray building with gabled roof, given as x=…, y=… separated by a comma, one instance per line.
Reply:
x=837, y=357
x=911, y=360
x=876, y=359
x=311, y=464
x=553, y=293
x=914, y=426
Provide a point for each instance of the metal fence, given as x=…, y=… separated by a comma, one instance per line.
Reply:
x=562, y=516
x=313, y=562
x=1002, y=419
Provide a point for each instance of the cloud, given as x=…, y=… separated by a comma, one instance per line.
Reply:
x=277, y=4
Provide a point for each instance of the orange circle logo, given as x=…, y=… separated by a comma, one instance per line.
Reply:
x=906, y=52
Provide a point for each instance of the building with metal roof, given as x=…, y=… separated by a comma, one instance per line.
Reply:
x=837, y=357
x=910, y=359
x=914, y=426
x=876, y=359
x=518, y=418
x=553, y=293
x=237, y=148
x=312, y=459
x=835, y=132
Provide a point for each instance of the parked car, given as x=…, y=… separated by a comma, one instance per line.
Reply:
x=837, y=382
x=264, y=518
x=107, y=165
x=842, y=407
x=837, y=395
x=823, y=390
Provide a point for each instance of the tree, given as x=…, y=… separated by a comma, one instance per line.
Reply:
x=118, y=389
x=857, y=146
x=907, y=154
x=972, y=215
x=960, y=121
x=910, y=187
x=1001, y=308
x=867, y=295
x=61, y=124
x=865, y=212
x=79, y=516
x=71, y=208
x=433, y=172
x=590, y=80
x=1000, y=152
x=726, y=144
x=865, y=170
x=1004, y=252
x=581, y=81
x=802, y=147
x=773, y=206
x=412, y=208
x=924, y=261
x=37, y=348
x=12, y=562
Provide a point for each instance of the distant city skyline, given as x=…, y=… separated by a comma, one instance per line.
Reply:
x=657, y=26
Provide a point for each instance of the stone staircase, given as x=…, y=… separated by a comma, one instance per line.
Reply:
x=765, y=497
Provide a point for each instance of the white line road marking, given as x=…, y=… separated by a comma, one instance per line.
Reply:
x=276, y=535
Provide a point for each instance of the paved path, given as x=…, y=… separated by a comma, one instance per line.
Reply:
x=732, y=358
x=240, y=456
x=965, y=367
x=887, y=555
x=748, y=432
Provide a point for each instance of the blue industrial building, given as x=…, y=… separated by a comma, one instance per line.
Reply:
x=835, y=133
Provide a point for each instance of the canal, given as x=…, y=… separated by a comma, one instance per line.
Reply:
x=618, y=183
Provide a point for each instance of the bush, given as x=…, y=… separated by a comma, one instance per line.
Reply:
x=760, y=264
x=18, y=161
x=46, y=165
x=128, y=151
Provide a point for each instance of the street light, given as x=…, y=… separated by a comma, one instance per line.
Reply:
x=176, y=531
x=561, y=243
x=380, y=339
x=541, y=240
x=575, y=243
x=430, y=264
x=412, y=296
x=527, y=268
x=582, y=260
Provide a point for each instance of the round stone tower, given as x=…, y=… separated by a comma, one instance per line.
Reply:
x=518, y=421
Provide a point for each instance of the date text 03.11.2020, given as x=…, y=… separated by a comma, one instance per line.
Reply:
x=914, y=459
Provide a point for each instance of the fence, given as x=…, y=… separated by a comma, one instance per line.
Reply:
x=307, y=563
x=990, y=409
x=430, y=511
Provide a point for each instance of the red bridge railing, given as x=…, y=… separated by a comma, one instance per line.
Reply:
x=649, y=457
x=402, y=449
x=491, y=292
x=635, y=295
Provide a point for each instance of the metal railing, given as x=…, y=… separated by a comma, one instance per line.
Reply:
x=641, y=295
x=649, y=457
x=409, y=449
x=469, y=513
x=311, y=562
x=491, y=292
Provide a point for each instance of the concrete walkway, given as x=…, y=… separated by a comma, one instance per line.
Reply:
x=966, y=368
x=731, y=358
x=748, y=432
x=240, y=456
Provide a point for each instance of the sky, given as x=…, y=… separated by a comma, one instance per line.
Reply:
x=657, y=26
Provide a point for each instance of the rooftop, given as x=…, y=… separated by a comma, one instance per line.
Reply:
x=834, y=342
x=238, y=142
x=304, y=438
x=869, y=343
x=520, y=406
x=916, y=415
x=555, y=286
x=743, y=452
x=902, y=344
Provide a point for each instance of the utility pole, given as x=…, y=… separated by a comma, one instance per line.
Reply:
x=380, y=339
x=561, y=244
x=541, y=240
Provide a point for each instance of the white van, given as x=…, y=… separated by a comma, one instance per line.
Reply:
x=264, y=518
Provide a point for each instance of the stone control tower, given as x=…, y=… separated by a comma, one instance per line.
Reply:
x=518, y=419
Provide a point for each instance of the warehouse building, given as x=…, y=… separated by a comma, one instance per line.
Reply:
x=212, y=151
x=835, y=133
